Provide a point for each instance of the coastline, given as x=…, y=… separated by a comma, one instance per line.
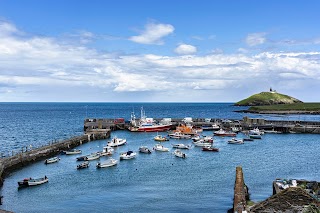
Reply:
x=280, y=112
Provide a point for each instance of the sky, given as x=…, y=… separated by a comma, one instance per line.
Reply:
x=158, y=50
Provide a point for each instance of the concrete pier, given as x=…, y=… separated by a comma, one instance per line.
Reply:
x=241, y=194
x=24, y=158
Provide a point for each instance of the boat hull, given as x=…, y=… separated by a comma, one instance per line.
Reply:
x=156, y=128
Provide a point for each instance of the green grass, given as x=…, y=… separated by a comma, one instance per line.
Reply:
x=288, y=107
x=267, y=98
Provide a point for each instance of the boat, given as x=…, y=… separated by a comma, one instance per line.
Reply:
x=159, y=147
x=108, y=163
x=235, y=141
x=92, y=156
x=181, y=146
x=247, y=139
x=254, y=136
x=210, y=149
x=160, y=138
x=179, y=154
x=147, y=124
x=144, y=149
x=185, y=130
x=202, y=143
x=197, y=129
x=207, y=139
x=221, y=132
x=179, y=135
x=51, y=160
x=83, y=165
x=116, y=142
x=107, y=150
x=127, y=155
x=255, y=131
x=33, y=182
x=73, y=152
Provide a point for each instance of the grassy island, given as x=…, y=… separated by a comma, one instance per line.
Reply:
x=297, y=108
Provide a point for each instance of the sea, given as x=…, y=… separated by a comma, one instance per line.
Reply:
x=156, y=182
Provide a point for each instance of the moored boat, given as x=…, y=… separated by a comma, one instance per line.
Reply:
x=51, y=160
x=92, y=156
x=108, y=163
x=202, y=143
x=255, y=136
x=179, y=135
x=210, y=149
x=179, y=153
x=127, y=155
x=159, y=147
x=160, y=138
x=144, y=149
x=222, y=132
x=73, y=152
x=107, y=150
x=116, y=142
x=181, y=146
x=235, y=141
x=83, y=165
x=33, y=182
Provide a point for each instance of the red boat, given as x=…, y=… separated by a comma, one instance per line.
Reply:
x=211, y=149
x=146, y=124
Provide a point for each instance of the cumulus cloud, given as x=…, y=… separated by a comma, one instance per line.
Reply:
x=255, y=39
x=185, y=49
x=153, y=34
x=35, y=63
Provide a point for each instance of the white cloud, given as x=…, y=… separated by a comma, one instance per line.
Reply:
x=185, y=49
x=153, y=34
x=39, y=63
x=254, y=39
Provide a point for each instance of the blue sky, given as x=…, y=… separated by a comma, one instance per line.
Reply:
x=158, y=51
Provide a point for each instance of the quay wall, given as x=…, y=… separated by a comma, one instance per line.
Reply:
x=241, y=194
x=21, y=159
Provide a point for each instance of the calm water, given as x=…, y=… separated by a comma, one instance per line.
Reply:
x=158, y=182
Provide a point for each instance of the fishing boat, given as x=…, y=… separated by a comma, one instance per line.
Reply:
x=160, y=138
x=210, y=149
x=159, y=147
x=51, y=160
x=108, y=163
x=222, y=132
x=127, y=155
x=181, y=146
x=255, y=131
x=185, y=130
x=33, y=182
x=73, y=152
x=83, y=165
x=144, y=149
x=207, y=139
x=116, y=142
x=235, y=141
x=179, y=153
x=146, y=124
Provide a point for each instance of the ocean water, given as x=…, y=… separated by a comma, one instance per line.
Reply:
x=158, y=182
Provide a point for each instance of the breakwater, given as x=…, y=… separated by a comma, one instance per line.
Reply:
x=241, y=194
x=26, y=157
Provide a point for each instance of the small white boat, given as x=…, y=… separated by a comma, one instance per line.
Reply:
x=33, y=182
x=179, y=135
x=107, y=150
x=127, y=155
x=83, y=165
x=179, y=154
x=235, y=141
x=51, y=160
x=159, y=147
x=73, y=152
x=144, y=149
x=181, y=146
x=204, y=138
x=255, y=131
x=202, y=143
x=116, y=142
x=223, y=133
x=160, y=138
x=108, y=163
x=93, y=156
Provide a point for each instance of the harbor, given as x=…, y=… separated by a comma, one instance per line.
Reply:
x=209, y=175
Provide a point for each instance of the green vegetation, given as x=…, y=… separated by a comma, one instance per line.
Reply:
x=267, y=98
x=303, y=107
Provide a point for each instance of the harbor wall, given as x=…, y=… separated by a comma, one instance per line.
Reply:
x=241, y=194
x=21, y=159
